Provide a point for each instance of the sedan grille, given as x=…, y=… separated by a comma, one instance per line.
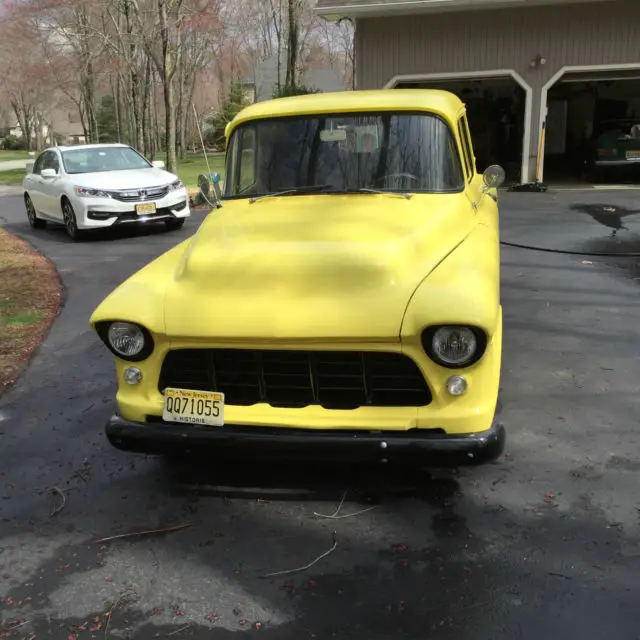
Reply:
x=140, y=195
x=293, y=379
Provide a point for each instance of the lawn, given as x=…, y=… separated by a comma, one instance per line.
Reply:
x=12, y=176
x=5, y=156
x=29, y=300
x=188, y=170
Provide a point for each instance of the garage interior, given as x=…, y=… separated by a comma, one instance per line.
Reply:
x=495, y=110
x=581, y=108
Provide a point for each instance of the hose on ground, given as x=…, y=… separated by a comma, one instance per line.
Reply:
x=569, y=253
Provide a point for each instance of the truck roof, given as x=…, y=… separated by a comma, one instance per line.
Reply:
x=443, y=103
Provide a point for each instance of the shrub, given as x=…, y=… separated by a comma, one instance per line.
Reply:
x=13, y=143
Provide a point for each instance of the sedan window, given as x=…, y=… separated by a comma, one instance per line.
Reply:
x=100, y=159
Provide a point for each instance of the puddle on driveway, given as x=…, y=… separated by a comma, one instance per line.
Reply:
x=614, y=217
x=608, y=215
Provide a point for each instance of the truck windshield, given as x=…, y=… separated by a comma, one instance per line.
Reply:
x=398, y=152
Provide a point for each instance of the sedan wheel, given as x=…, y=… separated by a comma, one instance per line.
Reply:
x=34, y=221
x=70, y=222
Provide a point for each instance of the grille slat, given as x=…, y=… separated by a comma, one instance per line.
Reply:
x=140, y=195
x=333, y=380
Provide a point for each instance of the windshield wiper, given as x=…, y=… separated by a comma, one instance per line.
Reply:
x=312, y=188
x=408, y=196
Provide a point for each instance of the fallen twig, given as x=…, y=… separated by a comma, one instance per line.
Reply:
x=15, y=626
x=335, y=515
x=58, y=492
x=177, y=631
x=347, y=515
x=336, y=512
x=306, y=566
x=114, y=606
x=143, y=533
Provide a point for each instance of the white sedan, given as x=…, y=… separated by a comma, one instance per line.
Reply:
x=102, y=185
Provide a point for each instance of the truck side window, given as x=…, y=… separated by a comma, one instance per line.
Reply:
x=466, y=155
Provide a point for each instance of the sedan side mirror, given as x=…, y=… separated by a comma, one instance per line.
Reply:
x=494, y=177
x=158, y=164
x=48, y=173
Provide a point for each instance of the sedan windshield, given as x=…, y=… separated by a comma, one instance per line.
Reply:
x=399, y=152
x=99, y=159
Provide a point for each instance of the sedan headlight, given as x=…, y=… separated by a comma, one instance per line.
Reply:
x=83, y=192
x=126, y=340
x=176, y=186
x=454, y=346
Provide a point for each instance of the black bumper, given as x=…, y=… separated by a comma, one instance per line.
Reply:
x=234, y=442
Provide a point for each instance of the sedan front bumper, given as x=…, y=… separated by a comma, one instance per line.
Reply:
x=250, y=443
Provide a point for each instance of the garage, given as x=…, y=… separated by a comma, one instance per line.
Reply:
x=497, y=113
x=593, y=127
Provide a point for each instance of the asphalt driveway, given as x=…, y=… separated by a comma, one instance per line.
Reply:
x=543, y=543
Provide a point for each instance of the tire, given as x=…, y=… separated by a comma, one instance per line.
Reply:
x=70, y=221
x=174, y=225
x=34, y=221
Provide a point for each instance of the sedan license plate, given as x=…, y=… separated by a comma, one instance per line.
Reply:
x=146, y=209
x=194, y=407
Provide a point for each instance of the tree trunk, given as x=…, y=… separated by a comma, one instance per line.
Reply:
x=169, y=66
x=118, y=108
x=145, y=110
x=292, y=46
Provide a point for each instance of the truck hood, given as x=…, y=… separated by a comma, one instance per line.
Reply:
x=311, y=267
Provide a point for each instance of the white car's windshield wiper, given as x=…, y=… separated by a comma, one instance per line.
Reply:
x=312, y=188
x=408, y=196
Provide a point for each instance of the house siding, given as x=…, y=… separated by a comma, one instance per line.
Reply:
x=572, y=35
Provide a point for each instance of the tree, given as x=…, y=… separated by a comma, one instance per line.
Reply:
x=234, y=102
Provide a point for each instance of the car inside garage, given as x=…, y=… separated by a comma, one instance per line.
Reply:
x=496, y=113
x=593, y=128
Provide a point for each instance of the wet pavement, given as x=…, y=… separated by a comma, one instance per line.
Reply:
x=543, y=543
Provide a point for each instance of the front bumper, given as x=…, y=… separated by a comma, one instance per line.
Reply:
x=93, y=213
x=299, y=445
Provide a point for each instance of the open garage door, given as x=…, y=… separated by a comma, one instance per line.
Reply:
x=497, y=114
x=593, y=128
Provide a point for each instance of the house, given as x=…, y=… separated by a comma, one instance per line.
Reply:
x=571, y=67
x=261, y=85
x=63, y=125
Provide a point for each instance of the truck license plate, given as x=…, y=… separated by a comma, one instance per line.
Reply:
x=194, y=407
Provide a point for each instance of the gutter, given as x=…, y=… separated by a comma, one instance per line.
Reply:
x=391, y=7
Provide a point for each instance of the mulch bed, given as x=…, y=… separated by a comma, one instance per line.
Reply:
x=29, y=301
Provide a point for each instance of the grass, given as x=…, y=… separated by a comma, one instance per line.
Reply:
x=12, y=176
x=29, y=300
x=5, y=156
x=188, y=170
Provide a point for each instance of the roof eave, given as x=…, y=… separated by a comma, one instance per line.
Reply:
x=412, y=7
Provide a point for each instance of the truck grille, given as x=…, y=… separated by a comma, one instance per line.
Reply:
x=140, y=195
x=293, y=379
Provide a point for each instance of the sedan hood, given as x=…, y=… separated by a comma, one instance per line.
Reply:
x=132, y=179
x=311, y=267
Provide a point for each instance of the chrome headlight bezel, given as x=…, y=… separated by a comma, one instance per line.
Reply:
x=102, y=328
x=429, y=339
x=176, y=186
x=86, y=192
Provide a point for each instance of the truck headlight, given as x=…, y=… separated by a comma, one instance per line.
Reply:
x=126, y=340
x=454, y=346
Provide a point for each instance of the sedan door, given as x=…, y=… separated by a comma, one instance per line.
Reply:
x=33, y=183
x=51, y=187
